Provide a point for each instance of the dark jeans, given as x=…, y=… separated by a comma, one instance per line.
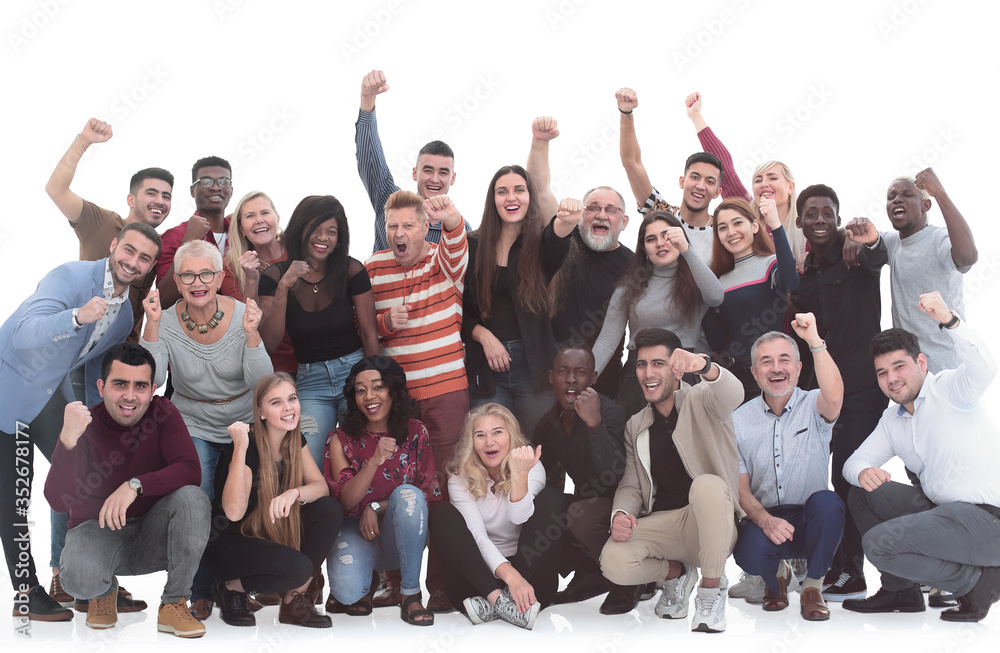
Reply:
x=914, y=542
x=17, y=471
x=514, y=390
x=537, y=559
x=818, y=524
x=858, y=417
x=266, y=566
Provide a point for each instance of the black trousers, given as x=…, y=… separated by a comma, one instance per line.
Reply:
x=537, y=559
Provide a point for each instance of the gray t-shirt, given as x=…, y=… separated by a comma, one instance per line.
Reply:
x=918, y=265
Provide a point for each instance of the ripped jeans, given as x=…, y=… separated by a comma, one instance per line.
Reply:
x=400, y=544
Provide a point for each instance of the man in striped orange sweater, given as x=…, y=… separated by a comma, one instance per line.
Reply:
x=418, y=300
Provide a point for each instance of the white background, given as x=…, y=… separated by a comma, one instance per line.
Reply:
x=850, y=94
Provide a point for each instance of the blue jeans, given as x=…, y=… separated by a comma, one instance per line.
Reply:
x=400, y=544
x=513, y=390
x=321, y=396
x=208, y=456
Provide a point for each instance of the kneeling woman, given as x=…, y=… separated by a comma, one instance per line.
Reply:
x=495, y=539
x=380, y=465
x=273, y=509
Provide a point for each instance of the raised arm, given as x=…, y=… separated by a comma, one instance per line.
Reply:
x=543, y=130
x=612, y=330
x=372, y=167
x=831, y=385
x=628, y=146
x=785, y=276
x=731, y=185
x=963, y=245
x=58, y=187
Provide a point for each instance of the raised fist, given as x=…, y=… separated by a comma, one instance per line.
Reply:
x=627, y=99
x=570, y=210
x=440, y=207
x=933, y=304
x=96, y=131
x=544, y=128
x=692, y=104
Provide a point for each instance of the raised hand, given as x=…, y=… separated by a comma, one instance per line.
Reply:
x=622, y=526
x=683, y=361
x=677, y=239
x=862, y=230
x=76, y=419
x=570, y=211
x=627, y=99
x=251, y=317
x=804, y=326
x=197, y=227
x=588, y=407
x=769, y=211
x=872, y=477
x=384, y=451
x=544, y=128
x=692, y=104
x=398, y=316
x=240, y=433
x=522, y=459
x=440, y=207
x=928, y=180
x=372, y=85
x=933, y=305
x=96, y=131
x=92, y=311
x=151, y=307
x=296, y=270
x=250, y=263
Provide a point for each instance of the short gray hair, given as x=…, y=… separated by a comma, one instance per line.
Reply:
x=767, y=337
x=197, y=249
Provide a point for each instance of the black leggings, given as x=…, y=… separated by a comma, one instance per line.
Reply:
x=17, y=458
x=537, y=559
x=266, y=566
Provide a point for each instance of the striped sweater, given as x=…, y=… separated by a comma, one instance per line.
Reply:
x=429, y=347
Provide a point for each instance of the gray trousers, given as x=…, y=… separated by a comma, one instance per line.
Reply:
x=913, y=541
x=171, y=537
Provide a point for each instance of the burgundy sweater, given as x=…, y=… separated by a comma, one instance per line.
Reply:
x=158, y=451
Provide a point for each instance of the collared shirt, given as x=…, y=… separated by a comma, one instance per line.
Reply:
x=114, y=308
x=671, y=482
x=949, y=441
x=787, y=456
x=848, y=308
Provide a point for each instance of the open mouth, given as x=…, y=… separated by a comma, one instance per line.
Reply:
x=401, y=249
x=128, y=271
x=290, y=419
x=321, y=248
x=600, y=228
x=198, y=294
x=262, y=230
x=512, y=209
x=433, y=188
x=651, y=386
x=897, y=387
x=373, y=408
x=697, y=196
x=491, y=453
x=158, y=210
x=777, y=379
x=127, y=410
x=571, y=395
x=898, y=211
x=766, y=194
x=820, y=231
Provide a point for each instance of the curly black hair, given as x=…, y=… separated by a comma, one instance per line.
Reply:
x=404, y=408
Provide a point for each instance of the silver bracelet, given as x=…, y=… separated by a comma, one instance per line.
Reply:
x=818, y=349
x=305, y=500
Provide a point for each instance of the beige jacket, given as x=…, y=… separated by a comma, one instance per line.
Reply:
x=704, y=438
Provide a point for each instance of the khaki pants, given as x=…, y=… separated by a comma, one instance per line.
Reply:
x=701, y=534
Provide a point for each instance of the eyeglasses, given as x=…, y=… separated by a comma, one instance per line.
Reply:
x=611, y=211
x=208, y=182
x=187, y=278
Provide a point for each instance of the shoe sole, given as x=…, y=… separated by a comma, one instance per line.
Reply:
x=101, y=626
x=296, y=623
x=82, y=607
x=68, y=616
x=913, y=609
x=471, y=613
x=184, y=634
x=705, y=628
x=844, y=597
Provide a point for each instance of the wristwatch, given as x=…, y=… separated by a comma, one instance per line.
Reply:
x=76, y=319
x=950, y=324
x=376, y=506
x=136, y=485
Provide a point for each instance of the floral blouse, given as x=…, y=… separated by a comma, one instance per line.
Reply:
x=413, y=464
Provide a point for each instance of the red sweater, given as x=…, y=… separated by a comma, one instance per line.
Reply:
x=158, y=451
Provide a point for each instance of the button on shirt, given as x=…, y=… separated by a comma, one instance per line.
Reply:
x=950, y=442
x=787, y=456
x=114, y=308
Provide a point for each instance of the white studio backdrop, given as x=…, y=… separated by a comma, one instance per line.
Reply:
x=850, y=94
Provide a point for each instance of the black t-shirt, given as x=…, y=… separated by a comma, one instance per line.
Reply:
x=321, y=327
x=502, y=321
x=671, y=480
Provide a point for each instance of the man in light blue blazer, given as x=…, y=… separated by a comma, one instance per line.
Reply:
x=78, y=311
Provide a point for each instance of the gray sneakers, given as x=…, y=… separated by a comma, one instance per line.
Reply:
x=676, y=594
x=749, y=588
x=479, y=610
x=506, y=609
x=710, y=609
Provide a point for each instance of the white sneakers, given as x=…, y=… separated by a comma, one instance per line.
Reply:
x=676, y=594
x=479, y=611
x=710, y=608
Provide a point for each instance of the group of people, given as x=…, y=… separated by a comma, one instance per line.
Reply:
x=320, y=409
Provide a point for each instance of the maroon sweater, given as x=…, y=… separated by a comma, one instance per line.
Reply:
x=158, y=451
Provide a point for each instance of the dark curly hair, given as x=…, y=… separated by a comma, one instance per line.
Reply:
x=404, y=408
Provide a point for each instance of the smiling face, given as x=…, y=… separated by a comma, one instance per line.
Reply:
x=600, y=231
x=434, y=174
x=659, y=250
x=127, y=392
x=491, y=442
x=131, y=258
x=907, y=210
x=775, y=367
x=771, y=183
x=511, y=196
x=572, y=372
x=320, y=242
x=151, y=203
x=279, y=408
x=819, y=222
x=736, y=231
x=373, y=400
x=700, y=185
x=213, y=200
x=406, y=233
x=199, y=293
x=901, y=376
x=258, y=222
x=656, y=376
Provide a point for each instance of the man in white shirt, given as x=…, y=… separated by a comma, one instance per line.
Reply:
x=946, y=533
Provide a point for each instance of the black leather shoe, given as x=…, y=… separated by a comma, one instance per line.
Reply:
x=585, y=585
x=124, y=603
x=941, y=599
x=908, y=600
x=301, y=611
x=621, y=599
x=37, y=605
x=975, y=605
x=233, y=607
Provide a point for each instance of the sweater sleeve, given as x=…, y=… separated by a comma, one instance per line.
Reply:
x=612, y=330
x=607, y=442
x=466, y=504
x=67, y=466
x=374, y=172
x=708, y=284
x=554, y=250
x=731, y=184
x=161, y=354
x=522, y=510
x=784, y=277
x=182, y=466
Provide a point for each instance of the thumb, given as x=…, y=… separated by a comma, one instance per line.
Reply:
x=538, y=453
x=406, y=308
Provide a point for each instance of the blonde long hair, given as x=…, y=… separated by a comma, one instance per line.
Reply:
x=466, y=463
x=240, y=244
x=796, y=239
x=258, y=524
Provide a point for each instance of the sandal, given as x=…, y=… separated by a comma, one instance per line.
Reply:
x=412, y=617
x=360, y=608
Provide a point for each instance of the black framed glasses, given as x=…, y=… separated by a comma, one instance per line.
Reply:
x=187, y=278
x=208, y=182
x=610, y=209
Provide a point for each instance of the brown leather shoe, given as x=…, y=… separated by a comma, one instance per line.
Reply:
x=438, y=601
x=201, y=609
x=813, y=606
x=775, y=602
x=388, y=597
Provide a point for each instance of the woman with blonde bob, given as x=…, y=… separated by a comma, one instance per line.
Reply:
x=488, y=535
x=273, y=519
